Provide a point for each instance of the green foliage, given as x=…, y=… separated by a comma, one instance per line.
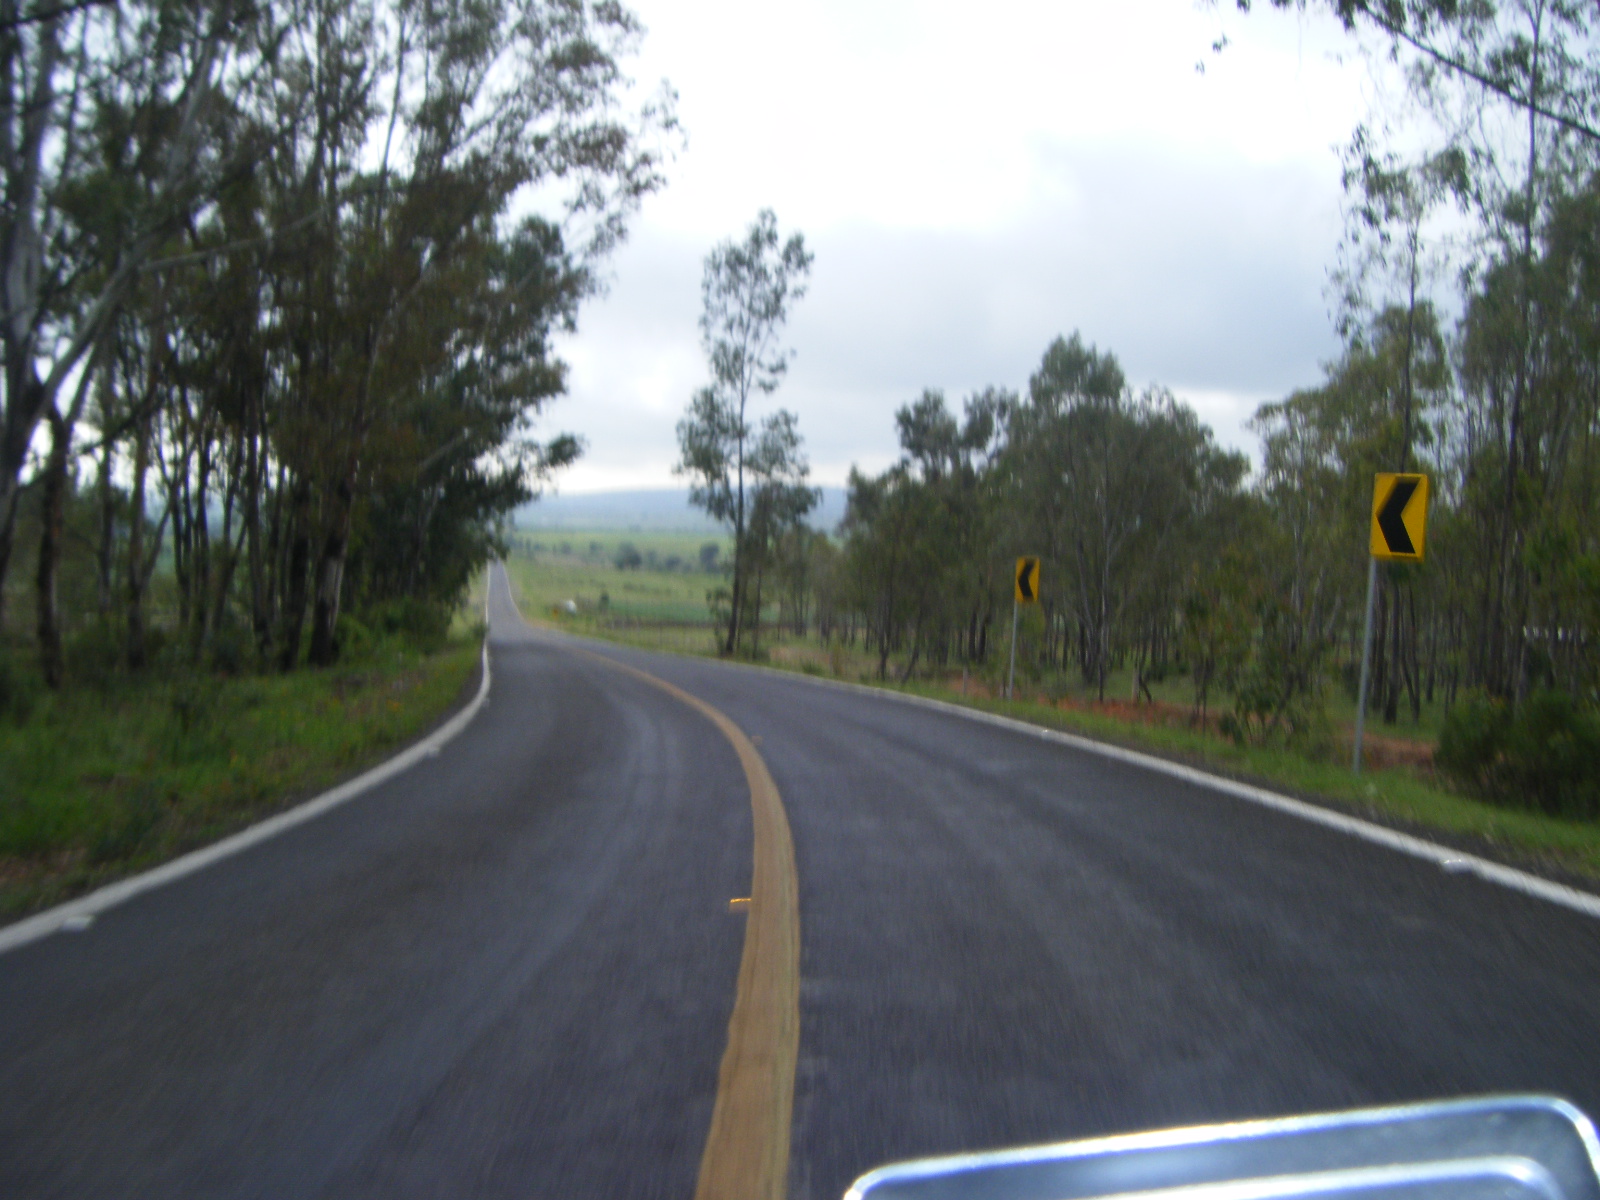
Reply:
x=356, y=639
x=325, y=398
x=422, y=625
x=94, y=655
x=1544, y=755
x=751, y=477
x=1472, y=740
x=92, y=784
x=18, y=691
x=125, y=827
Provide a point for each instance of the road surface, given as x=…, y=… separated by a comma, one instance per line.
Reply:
x=510, y=970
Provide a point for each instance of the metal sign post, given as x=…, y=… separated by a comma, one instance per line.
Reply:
x=1398, y=534
x=1011, y=671
x=1026, y=591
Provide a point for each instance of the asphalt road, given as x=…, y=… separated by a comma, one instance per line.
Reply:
x=510, y=970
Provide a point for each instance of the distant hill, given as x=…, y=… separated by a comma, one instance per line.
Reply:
x=664, y=510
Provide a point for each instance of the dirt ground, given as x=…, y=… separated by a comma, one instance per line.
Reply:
x=1378, y=750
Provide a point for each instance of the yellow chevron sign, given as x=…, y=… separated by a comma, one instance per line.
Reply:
x=1028, y=580
x=1399, y=517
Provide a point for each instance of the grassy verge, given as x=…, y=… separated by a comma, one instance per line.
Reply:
x=1407, y=796
x=100, y=783
x=1398, y=795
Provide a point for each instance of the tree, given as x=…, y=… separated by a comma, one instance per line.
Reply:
x=109, y=108
x=1470, y=44
x=1109, y=483
x=747, y=290
x=267, y=253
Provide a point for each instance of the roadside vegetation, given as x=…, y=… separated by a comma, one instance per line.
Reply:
x=1183, y=585
x=281, y=280
x=570, y=580
x=103, y=779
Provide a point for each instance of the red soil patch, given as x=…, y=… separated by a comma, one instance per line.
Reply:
x=1378, y=750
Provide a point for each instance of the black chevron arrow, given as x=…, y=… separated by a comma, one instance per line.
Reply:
x=1025, y=581
x=1394, y=529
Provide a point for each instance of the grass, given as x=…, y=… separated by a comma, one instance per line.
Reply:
x=655, y=610
x=99, y=783
x=1397, y=795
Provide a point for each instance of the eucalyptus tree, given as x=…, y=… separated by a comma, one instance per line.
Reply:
x=1384, y=402
x=1510, y=89
x=1488, y=48
x=780, y=498
x=1557, y=428
x=426, y=122
x=1391, y=261
x=124, y=99
x=746, y=293
x=953, y=461
x=1108, y=482
x=458, y=451
x=894, y=559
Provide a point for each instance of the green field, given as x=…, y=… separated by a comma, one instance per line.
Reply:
x=666, y=610
x=664, y=606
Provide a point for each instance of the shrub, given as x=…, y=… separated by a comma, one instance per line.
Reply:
x=421, y=624
x=1553, y=755
x=353, y=637
x=1544, y=755
x=17, y=691
x=1267, y=707
x=1471, y=741
x=94, y=655
x=232, y=647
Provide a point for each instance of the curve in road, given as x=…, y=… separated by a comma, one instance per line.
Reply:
x=510, y=970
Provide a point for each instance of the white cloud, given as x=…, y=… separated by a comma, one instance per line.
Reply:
x=974, y=182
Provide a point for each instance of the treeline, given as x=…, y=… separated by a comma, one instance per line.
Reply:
x=279, y=306
x=1124, y=494
x=1164, y=554
x=1468, y=294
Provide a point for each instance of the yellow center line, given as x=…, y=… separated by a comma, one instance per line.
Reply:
x=746, y=1156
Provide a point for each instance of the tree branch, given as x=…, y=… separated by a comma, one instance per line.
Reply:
x=50, y=14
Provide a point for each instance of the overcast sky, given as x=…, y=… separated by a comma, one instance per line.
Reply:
x=973, y=181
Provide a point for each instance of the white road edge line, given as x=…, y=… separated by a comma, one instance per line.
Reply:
x=1449, y=859
x=43, y=924
x=1446, y=858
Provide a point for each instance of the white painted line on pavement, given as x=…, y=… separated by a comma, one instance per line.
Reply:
x=1447, y=858
x=77, y=915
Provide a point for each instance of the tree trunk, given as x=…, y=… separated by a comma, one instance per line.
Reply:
x=732, y=642
x=7, y=526
x=106, y=547
x=755, y=622
x=52, y=513
x=24, y=403
x=141, y=468
x=330, y=582
x=259, y=622
x=294, y=605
